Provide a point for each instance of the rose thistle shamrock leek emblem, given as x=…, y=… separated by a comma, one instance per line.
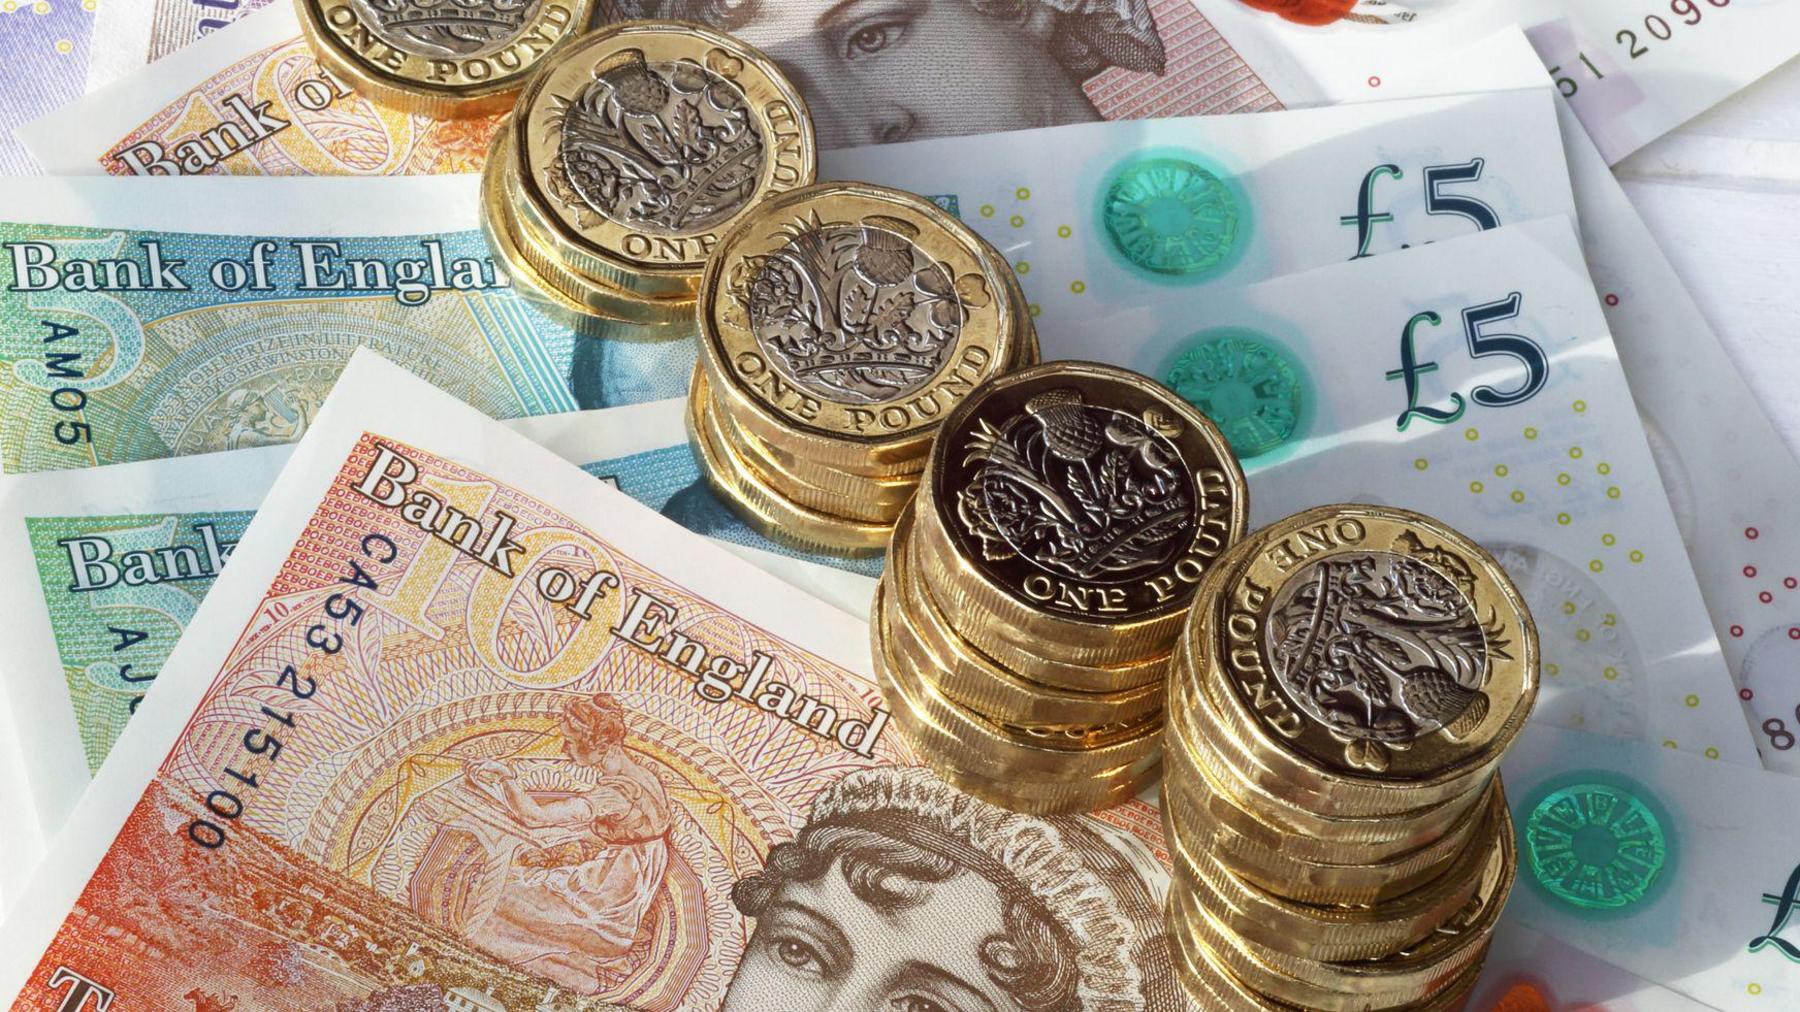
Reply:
x=1083, y=491
x=855, y=311
x=1384, y=648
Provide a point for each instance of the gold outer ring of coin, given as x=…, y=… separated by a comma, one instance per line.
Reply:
x=547, y=281
x=874, y=500
x=404, y=81
x=1209, y=982
x=562, y=309
x=1512, y=680
x=652, y=265
x=778, y=406
x=1004, y=752
x=1332, y=933
x=921, y=631
x=1210, y=744
x=1421, y=972
x=1010, y=614
x=1210, y=822
x=762, y=507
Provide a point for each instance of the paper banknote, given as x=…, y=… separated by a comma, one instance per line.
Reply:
x=154, y=318
x=1681, y=871
x=1732, y=479
x=1106, y=215
x=121, y=557
x=1474, y=380
x=535, y=750
x=129, y=35
x=1632, y=69
x=43, y=61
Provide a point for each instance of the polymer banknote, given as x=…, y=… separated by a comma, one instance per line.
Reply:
x=1680, y=870
x=1475, y=380
x=541, y=749
x=119, y=558
x=1725, y=470
x=1106, y=215
x=1729, y=475
x=1631, y=69
x=155, y=318
x=450, y=789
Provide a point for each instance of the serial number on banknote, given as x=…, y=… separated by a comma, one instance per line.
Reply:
x=1635, y=41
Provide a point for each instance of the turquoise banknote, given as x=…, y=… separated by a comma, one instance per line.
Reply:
x=119, y=558
x=1681, y=870
x=125, y=342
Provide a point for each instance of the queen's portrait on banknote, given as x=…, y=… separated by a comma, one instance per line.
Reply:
x=875, y=71
x=903, y=892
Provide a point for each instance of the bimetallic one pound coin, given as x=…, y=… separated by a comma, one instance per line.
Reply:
x=764, y=507
x=1073, y=508
x=442, y=59
x=840, y=323
x=923, y=635
x=1374, y=656
x=644, y=141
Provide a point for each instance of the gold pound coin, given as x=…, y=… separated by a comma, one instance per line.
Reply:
x=438, y=59
x=763, y=507
x=1371, y=654
x=1338, y=933
x=1431, y=971
x=1075, y=507
x=1041, y=770
x=1210, y=822
x=923, y=636
x=644, y=141
x=1200, y=744
x=842, y=321
x=875, y=500
x=588, y=307
x=1212, y=978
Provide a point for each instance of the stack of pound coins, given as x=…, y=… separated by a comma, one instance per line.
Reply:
x=628, y=155
x=839, y=325
x=443, y=60
x=1037, y=585
x=1339, y=703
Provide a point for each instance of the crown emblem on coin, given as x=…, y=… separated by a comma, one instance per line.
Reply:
x=855, y=311
x=457, y=26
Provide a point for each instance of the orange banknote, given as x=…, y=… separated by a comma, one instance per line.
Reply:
x=460, y=727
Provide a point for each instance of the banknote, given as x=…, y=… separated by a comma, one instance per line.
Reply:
x=117, y=560
x=542, y=749
x=1679, y=870
x=22, y=845
x=129, y=35
x=155, y=318
x=1476, y=380
x=1730, y=476
x=1529, y=971
x=43, y=59
x=1631, y=69
x=203, y=109
x=1107, y=215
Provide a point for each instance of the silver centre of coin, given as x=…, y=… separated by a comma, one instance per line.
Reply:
x=853, y=312
x=1377, y=646
x=458, y=29
x=666, y=148
x=1079, y=490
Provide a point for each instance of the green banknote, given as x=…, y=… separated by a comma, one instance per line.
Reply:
x=148, y=320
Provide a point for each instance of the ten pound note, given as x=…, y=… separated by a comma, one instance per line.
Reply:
x=460, y=726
